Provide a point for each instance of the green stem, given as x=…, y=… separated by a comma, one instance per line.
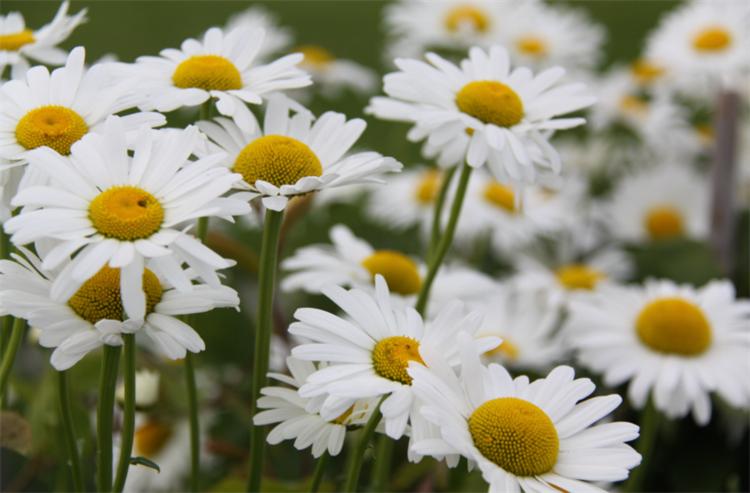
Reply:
x=266, y=276
x=107, y=383
x=205, y=110
x=320, y=469
x=382, y=467
x=9, y=356
x=128, y=418
x=69, y=431
x=195, y=444
x=358, y=454
x=438, y=211
x=649, y=430
x=445, y=241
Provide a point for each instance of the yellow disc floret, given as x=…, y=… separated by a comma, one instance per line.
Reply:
x=151, y=437
x=506, y=350
x=14, y=41
x=427, y=188
x=490, y=102
x=501, y=196
x=391, y=356
x=664, y=222
x=315, y=56
x=99, y=298
x=674, y=326
x=400, y=272
x=208, y=72
x=343, y=417
x=466, y=15
x=646, y=72
x=516, y=435
x=277, y=159
x=578, y=276
x=712, y=39
x=53, y=126
x=126, y=213
x=532, y=46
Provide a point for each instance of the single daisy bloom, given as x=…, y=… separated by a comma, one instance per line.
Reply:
x=19, y=45
x=507, y=113
x=120, y=210
x=258, y=18
x=523, y=436
x=368, y=351
x=221, y=67
x=675, y=342
x=666, y=202
x=297, y=418
x=95, y=314
x=294, y=154
x=331, y=74
x=57, y=110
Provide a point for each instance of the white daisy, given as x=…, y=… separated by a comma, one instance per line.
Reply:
x=18, y=44
x=119, y=210
x=666, y=202
x=10, y=178
x=259, y=18
x=220, y=67
x=676, y=342
x=331, y=74
x=369, y=351
x=299, y=418
x=508, y=113
x=95, y=315
x=294, y=155
x=533, y=437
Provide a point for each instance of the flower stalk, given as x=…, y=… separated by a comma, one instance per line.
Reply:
x=128, y=417
x=74, y=460
x=320, y=469
x=9, y=356
x=437, y=214
x=358, y=454
x=107, y=383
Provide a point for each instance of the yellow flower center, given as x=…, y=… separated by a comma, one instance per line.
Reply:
x=633, y=105
x=516, y=435
x=675, y=326
x=466, y=15
x=315, y=56
x=506, y=350
x=277, y=159
x=99, y=297
x=391, y=356
x=427, y=188
x=501, y=196
x=13, y=42
x=532, y=46
x=208, y=72
x=343, y=417
x=126, y=213
x=57, y=127
x=712, y=39
x=151, y=437
x=664, y=222
x=490, y=102
x=400, y=272
x=705, y=133
x=578, y=276
x=646, y=72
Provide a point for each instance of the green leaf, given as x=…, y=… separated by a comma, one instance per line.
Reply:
x=142, y=461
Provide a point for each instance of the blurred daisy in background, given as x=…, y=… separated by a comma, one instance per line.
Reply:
x=146, y=389
x=20, y=45
x=278, y=38
x=331, y=74
x=675, y=342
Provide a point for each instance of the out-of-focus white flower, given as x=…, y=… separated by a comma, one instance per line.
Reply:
x=146, y=389
x=331, y=75
x=278, y=38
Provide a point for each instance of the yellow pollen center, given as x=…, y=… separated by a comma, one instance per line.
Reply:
x=466, y=15
x=532, y=46
x=646, y=72
x=208, y=72
x=343, y=417
x=400, y=272
x=427, y=188
x=277, y=159
x=516, y=435
x=14, y=41
x=99, y=297
x=126, y=213
x=712, y=39
x=57, y=127
x=501, y=196
x=633, y=105
x=151, y=437
x=490, y=102
x=316, y=56
x=664, y=222
x=578, y=276
x=674, y=325
x=506, y=350
x=391, y=356
x=705, y=133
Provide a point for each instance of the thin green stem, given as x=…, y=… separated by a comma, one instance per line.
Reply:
x=205, y=110
x=128, y=417
x=649, y=430
x=107, y=383
x=438, y=211
x=70, y=435
x=445, y=241
x=195, y=443
x=9, y=356
x=266, y=279
x=358, y=454
x=381, y=469
x=320, y=469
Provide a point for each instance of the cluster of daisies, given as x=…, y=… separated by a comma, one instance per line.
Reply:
x=468, y=352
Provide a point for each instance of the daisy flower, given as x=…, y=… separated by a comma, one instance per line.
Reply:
x=19, y=45
x=221, y=67
x=369, y=351
x=299, y=418
x=259, y=18
x=10, y=178
x=331, y=74
x=667, y=202
x=120, y=210
x=508, y=113
x=95, y=314
x=675, y=342
x=523, y=436
x=294, y=155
